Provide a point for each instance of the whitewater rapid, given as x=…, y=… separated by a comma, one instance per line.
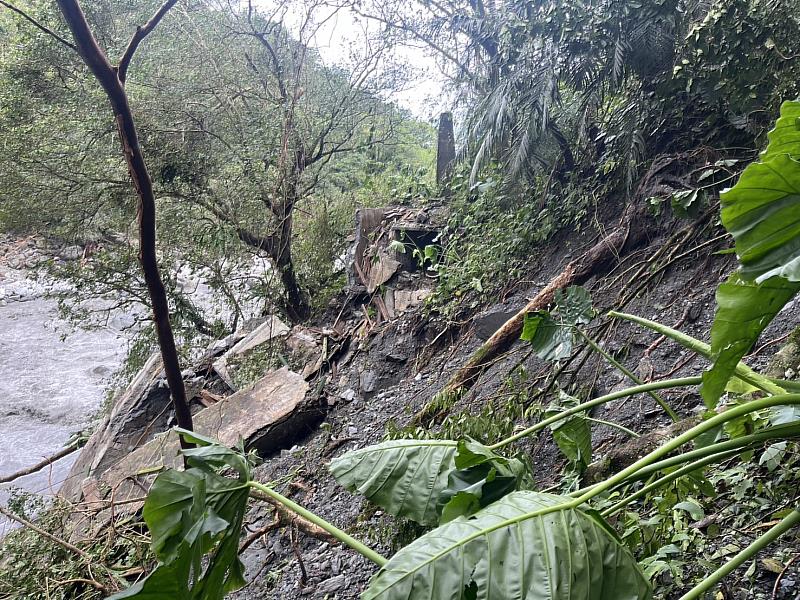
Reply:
x=49, y=388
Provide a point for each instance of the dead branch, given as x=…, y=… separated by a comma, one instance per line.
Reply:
x=287, y=517
x=41, y=464
x=45, y=534
x=95, y=584
x=250, y=539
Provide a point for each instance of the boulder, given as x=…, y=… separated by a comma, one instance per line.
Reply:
x=138, y=413
x=405, y=300
x=267, y=416
x=488, y=323
x=272, y=328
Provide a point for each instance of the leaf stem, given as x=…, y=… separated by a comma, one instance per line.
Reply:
x=677, y=474
x=316, y=520
x=622, y=428
x=631, y=391
x=675, y=443
x=596, y=347
x=782, y=432
x=765, y=540
x=742, y=371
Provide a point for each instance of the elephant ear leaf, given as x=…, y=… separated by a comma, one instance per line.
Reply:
x=191, y=514
x=526, y=545
x=404, y=477
x=572, y=435
x=744, y=309
x=481, y=477
x=552, y=335
x=762, y=213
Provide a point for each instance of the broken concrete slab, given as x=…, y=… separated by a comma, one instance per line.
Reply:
x=388, y=302
x=273, y=327
x=372, y=257
x=367, y=221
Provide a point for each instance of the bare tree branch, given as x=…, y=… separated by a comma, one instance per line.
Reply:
x=38, y=25
x=141, y=33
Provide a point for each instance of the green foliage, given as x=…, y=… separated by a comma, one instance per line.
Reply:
x=190, y=514
x=716, y=58
x=552, y=337
x=572, y=435
x=479, y=478
x=390, y=475
x=463, y=557
x=33, y=567
x=215, y=153
x=492, y=233
x=744, y=309
x=676, y=553
x=761, y=212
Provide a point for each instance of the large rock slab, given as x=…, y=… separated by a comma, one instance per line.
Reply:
x=271, y=329
x=267, y=416
x=139, y=412
x=264, y=416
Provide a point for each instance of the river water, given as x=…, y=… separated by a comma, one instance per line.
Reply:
x=49, y=388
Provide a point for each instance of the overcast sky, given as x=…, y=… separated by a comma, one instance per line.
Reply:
x=423, y=96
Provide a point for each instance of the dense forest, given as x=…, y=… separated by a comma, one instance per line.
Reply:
x=532, y=334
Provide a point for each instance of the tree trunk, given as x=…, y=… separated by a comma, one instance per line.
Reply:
x=297, y=306
x=109, y=79
x=295, y=301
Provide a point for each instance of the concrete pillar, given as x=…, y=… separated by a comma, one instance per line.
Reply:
x=446, y=149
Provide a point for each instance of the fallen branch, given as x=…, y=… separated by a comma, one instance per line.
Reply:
x=45, y=534
x=95, y=584
x=286, y=517
x=274, y=524
x=632, y=230
x=40, y=465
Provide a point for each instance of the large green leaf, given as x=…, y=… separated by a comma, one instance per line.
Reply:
x=549, y=339
x=481, y=477
x=405, y=477
x=552, y=337
x=762, y=211
x=572, y=435
x=190, y=514
x=574, y=305
x=744, y=309
x=511, y=550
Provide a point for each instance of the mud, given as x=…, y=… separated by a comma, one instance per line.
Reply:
x=395, y=371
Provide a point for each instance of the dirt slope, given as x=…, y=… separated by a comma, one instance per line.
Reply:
x=671, y=278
